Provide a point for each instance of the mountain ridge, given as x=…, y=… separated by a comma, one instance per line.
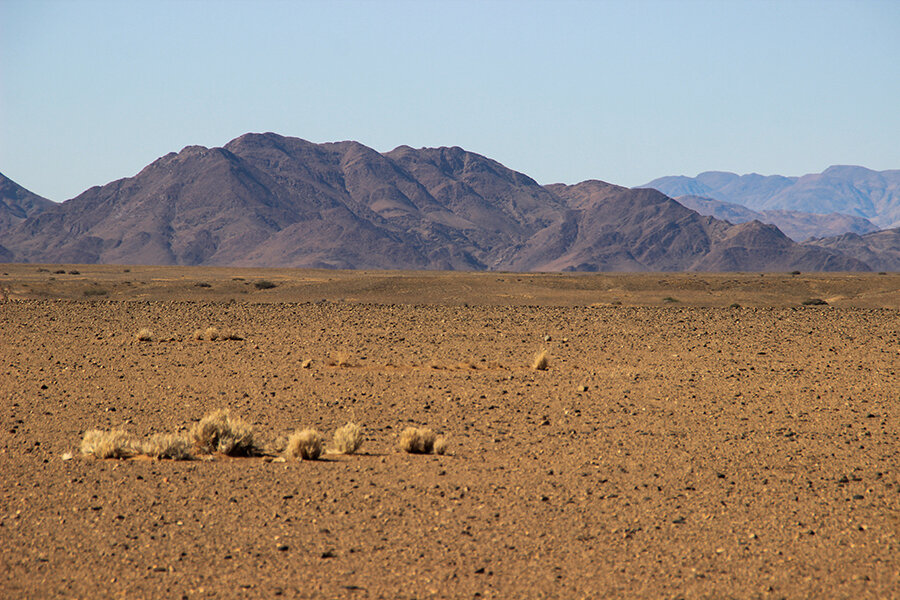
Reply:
x=264, y=199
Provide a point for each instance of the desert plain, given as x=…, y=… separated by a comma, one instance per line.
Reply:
x=694, y=435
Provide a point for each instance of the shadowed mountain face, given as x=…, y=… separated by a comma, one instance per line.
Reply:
x=855, y=191
x=880, y=249
x=798, y=226
x=269, y=200
x=17, y=204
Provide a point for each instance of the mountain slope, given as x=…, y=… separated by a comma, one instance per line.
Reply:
x=879, y=249
x=270, y=200
x=796, y=225
x=855, y=191
x=17, y=204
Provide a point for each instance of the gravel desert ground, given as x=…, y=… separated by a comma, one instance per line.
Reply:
x=694, y=435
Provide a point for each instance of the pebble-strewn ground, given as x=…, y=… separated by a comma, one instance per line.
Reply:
x=672, y=449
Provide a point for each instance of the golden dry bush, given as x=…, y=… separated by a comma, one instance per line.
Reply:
x=211, y=334
x=198, y=334
x=220, y=432
x=109, y=444
x=167, y=445
x=415, y=440
x=306, y=444
x=541, y=361
x=440, y=445
x=144, y=335
x=347, y=439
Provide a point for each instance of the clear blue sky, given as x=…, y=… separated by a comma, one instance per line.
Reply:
x=563, y=91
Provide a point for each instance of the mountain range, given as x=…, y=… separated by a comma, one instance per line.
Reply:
x=270, y=200
x=797, y=225
x=854, y=191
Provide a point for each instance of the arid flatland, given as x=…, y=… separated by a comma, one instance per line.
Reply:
x=676, y=447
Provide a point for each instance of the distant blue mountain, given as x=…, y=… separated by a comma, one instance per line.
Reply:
x=849, y=190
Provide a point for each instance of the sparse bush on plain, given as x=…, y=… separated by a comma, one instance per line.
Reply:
x=415, y=440
x=814, y=302
x=220, y=432
x=265, y=284
x=109, y=444
x=306, y=444
x=670, y=300
x=167, y=445
x=145, y=335
x=440, y=445
x=347, y=439
x=541, y=361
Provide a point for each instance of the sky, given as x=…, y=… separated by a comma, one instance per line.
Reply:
x=564, y=91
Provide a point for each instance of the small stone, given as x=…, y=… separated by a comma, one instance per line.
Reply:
x=547, y=338
x=279, y=459
x=582, y=388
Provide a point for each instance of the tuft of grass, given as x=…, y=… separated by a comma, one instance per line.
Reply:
x=265, y=284
x=211, y=334
x=415, y=440
x=109, y=444
x=219, y=431
x=145, y=335
x=440, y=445
x=168, y=445
x=347, y=439
x=541, y=361
x=814, y=302
x=306, y=444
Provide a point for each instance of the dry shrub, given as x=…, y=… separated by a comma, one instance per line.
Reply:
x=343, y=359
x=306, y=444
x=198, y=334
x=145, y=335
x=541, y=361
x=167, y=445
x=109, y=444
x=440, y=445
x=229, y=335
x=348, y=439
x=211, y=334
x=417, y=440
x=219, y=431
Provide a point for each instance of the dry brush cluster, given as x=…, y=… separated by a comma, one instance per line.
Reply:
x=221, y=432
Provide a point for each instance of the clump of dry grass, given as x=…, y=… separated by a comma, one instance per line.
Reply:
x=541, y=361
x=212, y=334
x=440, y=445
x=415, y=440
x=144, y=335
x=167, y=445
x=109, y=444
x=306, y=444
x=347, y=439
x=219, y=431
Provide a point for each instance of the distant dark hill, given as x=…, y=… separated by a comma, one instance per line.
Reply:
x=798, y=226
x=880, y=249
x=17, y=204
x=856, y=191
x=270, y=200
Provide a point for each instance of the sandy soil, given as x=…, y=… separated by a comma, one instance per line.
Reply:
x=676, y=447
